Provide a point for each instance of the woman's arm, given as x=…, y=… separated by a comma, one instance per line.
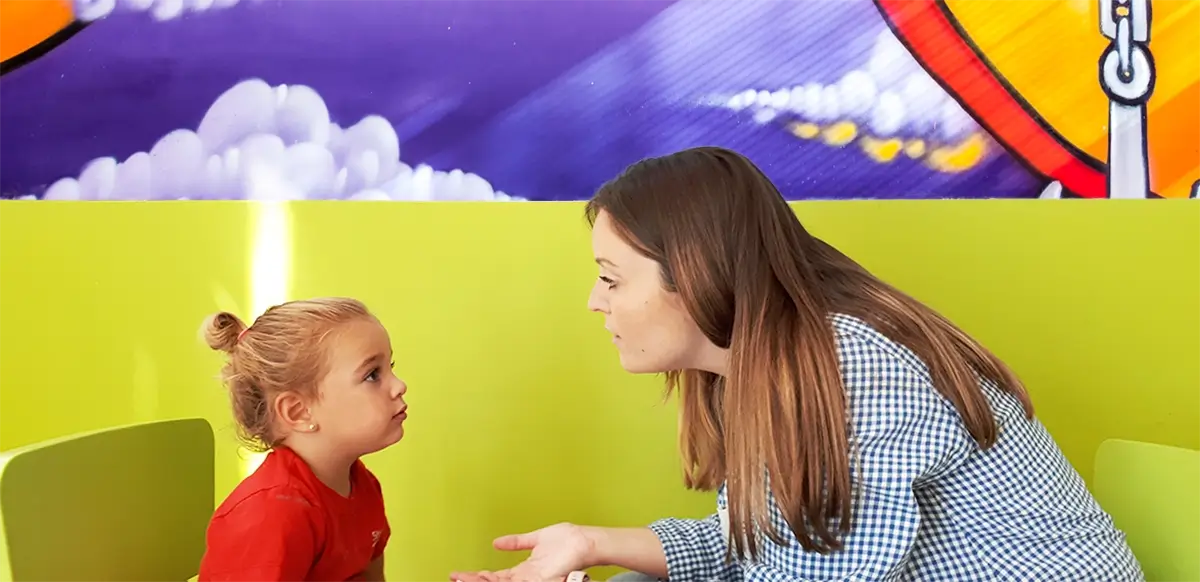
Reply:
x=635, y=548
x=683, y=550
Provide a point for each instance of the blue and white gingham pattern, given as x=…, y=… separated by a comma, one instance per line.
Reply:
x=930, y=505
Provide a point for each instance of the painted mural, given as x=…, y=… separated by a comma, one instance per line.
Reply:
x=544, y=100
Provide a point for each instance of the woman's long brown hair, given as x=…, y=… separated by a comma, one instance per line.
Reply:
x=756, y=282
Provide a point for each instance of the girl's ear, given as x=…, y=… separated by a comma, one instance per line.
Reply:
x=293, y=411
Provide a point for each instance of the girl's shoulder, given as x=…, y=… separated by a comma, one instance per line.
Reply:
x=277, y=480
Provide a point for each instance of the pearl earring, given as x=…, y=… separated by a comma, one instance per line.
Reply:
x=312, y=427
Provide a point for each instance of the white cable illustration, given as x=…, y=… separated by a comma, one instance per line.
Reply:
x=1127, y=77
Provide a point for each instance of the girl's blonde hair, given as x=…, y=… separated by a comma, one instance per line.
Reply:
x=280, y=351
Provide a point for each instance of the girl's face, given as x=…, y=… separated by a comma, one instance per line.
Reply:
x=360, y=407
x=651, y=328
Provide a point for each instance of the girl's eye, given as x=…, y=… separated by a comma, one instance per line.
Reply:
x=372, y=376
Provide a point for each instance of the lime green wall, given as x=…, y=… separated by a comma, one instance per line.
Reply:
x=520, y=413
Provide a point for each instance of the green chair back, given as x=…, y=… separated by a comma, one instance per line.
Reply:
x=127, y=503
x=1153, y=494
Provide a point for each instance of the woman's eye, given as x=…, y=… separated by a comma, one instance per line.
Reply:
x=608, y=281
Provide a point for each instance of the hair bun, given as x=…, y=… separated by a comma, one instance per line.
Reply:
x=221, y=331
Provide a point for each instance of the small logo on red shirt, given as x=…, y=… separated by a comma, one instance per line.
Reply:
x=375, y=535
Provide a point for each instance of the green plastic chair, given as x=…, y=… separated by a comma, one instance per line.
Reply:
x=1152, y=493
x=127, y=503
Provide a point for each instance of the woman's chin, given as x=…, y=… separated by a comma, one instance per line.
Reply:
x=639, y=366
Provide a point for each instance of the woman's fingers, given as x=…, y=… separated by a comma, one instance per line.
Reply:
x=514, y=575
x=516, y=542
x=480, y=576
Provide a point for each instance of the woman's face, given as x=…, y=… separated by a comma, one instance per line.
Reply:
x=649, y=325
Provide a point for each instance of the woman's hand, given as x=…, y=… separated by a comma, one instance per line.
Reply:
x=555, y=551
x=496, y=577
x=481, y=576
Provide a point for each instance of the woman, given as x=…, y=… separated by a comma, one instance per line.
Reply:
x=851, y=433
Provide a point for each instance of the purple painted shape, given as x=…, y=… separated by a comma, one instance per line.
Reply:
x=437, y=69
x=642, y=97
x=545, y=99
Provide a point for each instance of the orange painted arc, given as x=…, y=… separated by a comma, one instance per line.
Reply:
x=26, y=23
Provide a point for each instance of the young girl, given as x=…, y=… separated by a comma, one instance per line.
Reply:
x=311, y=382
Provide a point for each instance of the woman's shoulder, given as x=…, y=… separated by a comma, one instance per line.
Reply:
x=860, y=345
x=883, y=378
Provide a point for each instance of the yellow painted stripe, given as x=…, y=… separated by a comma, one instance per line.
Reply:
x=1048, y=51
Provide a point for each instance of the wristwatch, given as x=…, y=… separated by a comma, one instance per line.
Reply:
x=578, y=576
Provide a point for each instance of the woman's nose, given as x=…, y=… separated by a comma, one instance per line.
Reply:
x=595, y=303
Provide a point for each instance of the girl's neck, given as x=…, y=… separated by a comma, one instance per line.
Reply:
x=332, y=470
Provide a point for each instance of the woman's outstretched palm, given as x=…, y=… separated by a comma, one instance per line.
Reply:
x=555, y=551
